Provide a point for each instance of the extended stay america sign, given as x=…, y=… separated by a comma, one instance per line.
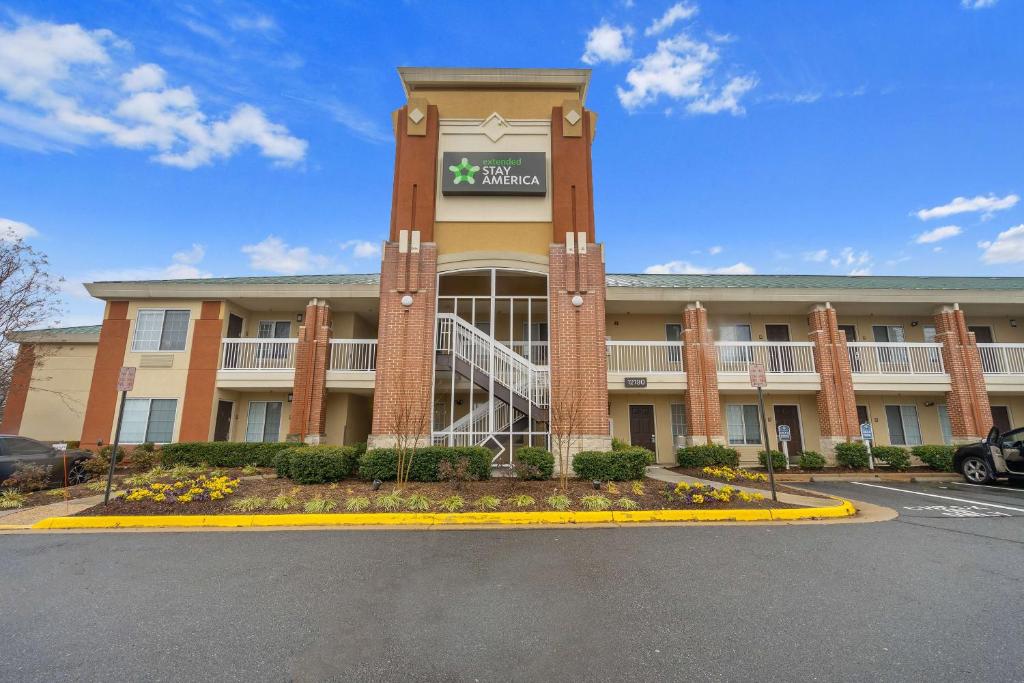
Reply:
x=487, y=173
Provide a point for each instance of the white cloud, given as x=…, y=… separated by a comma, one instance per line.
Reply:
x=682, y=68
x=59, y=88
x=977, y=4
x=687, y=268
x=276, y=256
x=677, y=12
x=717, y=249
x=15, y=229
x=260, y=23
x=818, y=256
x=191, y=257
x=362, y=248
x=938, y=234
x=858, y=262
x=607, y=43
x=985, y=204
x=1007, y=248
x=184, y=265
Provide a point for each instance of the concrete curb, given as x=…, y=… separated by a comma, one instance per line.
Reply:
x=844, y=509
x=867, y=476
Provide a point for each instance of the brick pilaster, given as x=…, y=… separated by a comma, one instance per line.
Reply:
x=970, y=415
x=837, y=405
x=579, y=366
x=309, y=394
x=703, y=407
x=402, y=401
x=17, y=391
x=201, y=382
x=98, y=423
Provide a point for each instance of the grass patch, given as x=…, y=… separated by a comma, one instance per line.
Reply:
x=11, y=499
x=625, y=503
x=487, y=503
x=595, y=502
x=417, y=503
x=389, y=502
x=283, y=501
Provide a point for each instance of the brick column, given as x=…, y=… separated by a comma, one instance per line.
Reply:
x=402, y=401
x=837, y=405
x=579, y=366
x=201, y=382
x=703, y=407
x=970, y=415
x=309, y=394
x=17, y=392
x=98, y=423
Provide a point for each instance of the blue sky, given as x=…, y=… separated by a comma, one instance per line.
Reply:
x=145, y=140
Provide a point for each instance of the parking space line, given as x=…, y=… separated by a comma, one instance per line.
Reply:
x=935, y=495
x=989, y=486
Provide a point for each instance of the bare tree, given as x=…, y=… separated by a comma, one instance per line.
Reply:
x=412, y=423
x=566, y=421
x=28, y=299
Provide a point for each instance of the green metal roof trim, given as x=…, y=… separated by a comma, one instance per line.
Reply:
x=80, y=329
x=706, y=281
x=817, y=282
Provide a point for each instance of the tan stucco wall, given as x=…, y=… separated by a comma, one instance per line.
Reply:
x=644, y=327
x=348, y=418
x=456, y=238
x=59, y=391
x=242, y=411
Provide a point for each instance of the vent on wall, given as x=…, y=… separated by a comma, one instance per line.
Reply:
x=156, y=360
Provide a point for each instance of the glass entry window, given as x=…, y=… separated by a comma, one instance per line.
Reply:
x=264, y=421
x=148, y=420
x=743, y=425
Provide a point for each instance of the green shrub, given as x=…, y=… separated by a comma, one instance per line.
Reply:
x=612, y=465
x=778, y=460
x=619, y=445
x=712, y=455
x=812, y=460
x=895, y=457
x=382, y=463
x=538, y=463
x=937, y=457
x=224, y=453
x=318, y=464
x=852, y=454
x=145, y=456
x=28, y=476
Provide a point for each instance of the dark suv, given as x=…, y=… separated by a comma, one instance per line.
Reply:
x=999, y=455
x=16, y=449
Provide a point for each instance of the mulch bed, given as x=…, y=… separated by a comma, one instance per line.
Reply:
x=761, y=485
x=268, y=486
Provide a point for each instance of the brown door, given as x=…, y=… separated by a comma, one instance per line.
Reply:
x=641, y=426
x=1001, y=418
x=222, y=429
x=982, y=333
x=790, y=415
x=234, y=326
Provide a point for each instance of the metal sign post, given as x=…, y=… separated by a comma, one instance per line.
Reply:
x=758, y=380
x=785, y=435
x=125, y=383
x=868, y=434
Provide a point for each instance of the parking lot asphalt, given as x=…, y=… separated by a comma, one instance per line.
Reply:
x=932, y=595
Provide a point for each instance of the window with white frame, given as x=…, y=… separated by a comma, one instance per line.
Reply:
x=743, y=425
x=274, y=329
x=904, y=428
x=264, y=422
x=945, y=426
x=148, y=420
x=678, y=420
x=160, y=330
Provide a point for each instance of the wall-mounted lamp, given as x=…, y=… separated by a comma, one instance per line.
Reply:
x=290, y=397
x=913, y=323
x=577, y=300
x=407, y=300
x=1013, y=322
x=299, y=317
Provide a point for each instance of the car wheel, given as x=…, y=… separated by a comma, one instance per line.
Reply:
x=77, y=474
x=976, y=470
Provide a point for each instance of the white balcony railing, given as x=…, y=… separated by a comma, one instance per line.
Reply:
x=1002, y=359
x=777, y=357
x=895, y=358
x=353, y=355
x=645, y=356
x=258, y=354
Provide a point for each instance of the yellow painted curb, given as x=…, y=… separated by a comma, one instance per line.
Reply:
x=845, y=509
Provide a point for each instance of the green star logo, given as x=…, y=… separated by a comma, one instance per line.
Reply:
x=464, y=172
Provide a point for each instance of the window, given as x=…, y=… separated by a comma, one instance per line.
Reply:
x=734, y=333
x=743, y=425
x=904, y=429
x=889, y=334
x=944, y=424
x=929, y=333
x=850, y=331
x=274, y=329
x=678, y=420
x=160, y=330
x=148, y=419
x=264, y=422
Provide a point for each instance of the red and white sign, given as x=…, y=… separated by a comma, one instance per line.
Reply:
x=126, y=379
x=758, y=378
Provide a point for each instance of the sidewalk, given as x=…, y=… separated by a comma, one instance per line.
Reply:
x=662, y=474
x=26, y=517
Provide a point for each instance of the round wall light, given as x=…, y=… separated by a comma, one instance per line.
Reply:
x=577, y=300
x=407, y=300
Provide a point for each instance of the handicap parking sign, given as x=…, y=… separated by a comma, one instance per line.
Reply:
x=866, y=432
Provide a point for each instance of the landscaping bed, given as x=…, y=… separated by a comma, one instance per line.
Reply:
x=739, y=480
x=269, y=495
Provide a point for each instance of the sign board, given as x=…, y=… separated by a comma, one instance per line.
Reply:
x=758, y=378
x=60, y=447
x=784, y=433
x=504, y=174
x=866, y=432
x=126, y=379
x=636, y=382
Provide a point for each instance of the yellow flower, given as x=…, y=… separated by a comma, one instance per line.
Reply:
x=697, y=498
